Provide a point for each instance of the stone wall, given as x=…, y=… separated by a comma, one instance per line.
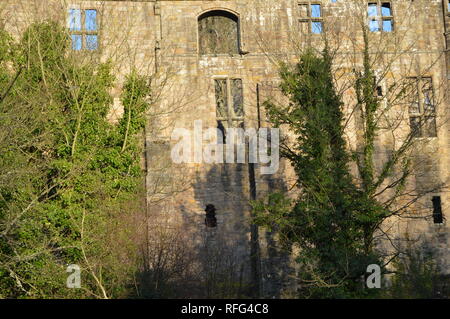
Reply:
x=160, y=39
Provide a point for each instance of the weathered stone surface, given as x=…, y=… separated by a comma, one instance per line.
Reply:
x=160, y=38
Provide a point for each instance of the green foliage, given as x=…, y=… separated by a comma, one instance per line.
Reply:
x=332, y=220
x=416, y=276
x=68, y=174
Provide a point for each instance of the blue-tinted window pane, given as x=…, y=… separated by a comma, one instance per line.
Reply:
x=372, y=10
x=386, y=10
x=315, y=11
x=387, y=26
x=91, y=42
x=374, y=26
x=77, y=42
x=316, y=27
x=91, y=20
x=75, y=20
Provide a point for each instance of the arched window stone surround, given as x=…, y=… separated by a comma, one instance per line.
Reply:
x=218, y=32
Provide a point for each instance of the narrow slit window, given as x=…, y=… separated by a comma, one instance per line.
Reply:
x=379, y=91
x=438, y=217
x=210, y=218
x=221, y=88
x=238, y=98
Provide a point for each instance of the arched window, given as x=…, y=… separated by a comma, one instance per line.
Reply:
x=218, y=33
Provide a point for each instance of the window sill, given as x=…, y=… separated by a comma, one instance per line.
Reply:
x=240, y=56
x=425, y=138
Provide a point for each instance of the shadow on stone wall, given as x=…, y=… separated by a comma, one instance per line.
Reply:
x=223, y=251
x=277, y=270
x=187, y=259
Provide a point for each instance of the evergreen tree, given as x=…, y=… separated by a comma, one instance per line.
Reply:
x=328, y=220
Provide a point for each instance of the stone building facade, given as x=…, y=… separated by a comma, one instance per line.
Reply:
x=215, y=61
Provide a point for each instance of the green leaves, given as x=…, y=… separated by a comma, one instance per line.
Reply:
x=71, y=169
x=331, y=220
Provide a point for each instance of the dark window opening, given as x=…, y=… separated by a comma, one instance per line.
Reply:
x=438, y=218
x=379, y=91
x=210, y=219
x=218, y=33
x=223, y=131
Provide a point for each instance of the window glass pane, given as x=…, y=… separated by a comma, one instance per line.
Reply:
x=303, y=11
x=374, y=26
x=414, y=107
x=387, y=25
x=412, y=95
x=414, y=123
x=218, y=34
x=221, y=98
x=304, y=27
x=372, y=10
x=91, y=20
x=316, y=27
x=428, y=96
x=429, y=128
x=92, y=42
x=315, y=11
x=75, y=20
x=77, y=42
x=238, y=99
x=386, y=9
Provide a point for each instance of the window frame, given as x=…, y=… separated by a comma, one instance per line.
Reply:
x=83, y=32
x=230, y=118
x=422, y=115
x=310, y=19
x=379, y=17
